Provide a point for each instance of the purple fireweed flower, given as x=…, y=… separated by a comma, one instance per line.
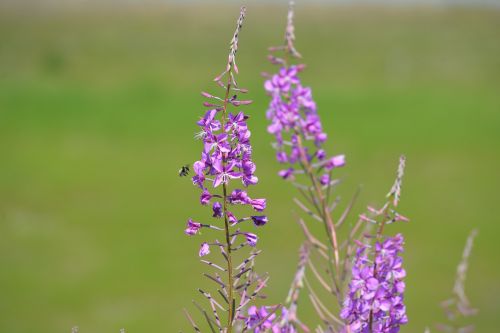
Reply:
x=259, y=320
x=282, y=157
x=376, y=289
x=251, y=239
x=321, y=154
x=287, y=173
x=267, y=319
x=259, y=220
x=293, y=116
x=324, y=179
x=192, y=227
x=231, y=218
x=258, y=204
x=239, y=197
x=217, y=209
x=248, y=177
x=205, y=197
x=224, y=172
x=335, y=162
x=204, y=249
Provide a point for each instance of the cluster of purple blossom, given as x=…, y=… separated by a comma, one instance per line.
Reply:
x=375, y=299
x=292, y=111
x=226, y=155
x=264, y=319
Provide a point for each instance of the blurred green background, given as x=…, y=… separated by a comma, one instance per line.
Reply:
x=97, y=112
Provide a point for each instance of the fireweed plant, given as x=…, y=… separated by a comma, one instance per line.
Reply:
x=222, y=173
x=363, y=272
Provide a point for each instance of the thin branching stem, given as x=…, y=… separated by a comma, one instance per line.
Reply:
x=230, y=283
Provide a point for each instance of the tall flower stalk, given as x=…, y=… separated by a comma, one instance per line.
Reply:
x=227, y=158
x=299, y=136
x=458, y=307
x=375, y=299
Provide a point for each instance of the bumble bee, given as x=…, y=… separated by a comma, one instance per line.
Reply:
x=184, y=170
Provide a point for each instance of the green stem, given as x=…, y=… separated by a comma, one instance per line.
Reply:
x=230, y=283
x=327, y=218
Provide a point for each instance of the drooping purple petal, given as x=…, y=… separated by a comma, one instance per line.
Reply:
x=192, y=227
x=217, y=210
x=259, y=220
x=204, y=249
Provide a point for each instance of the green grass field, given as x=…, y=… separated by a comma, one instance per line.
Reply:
x=97, y=112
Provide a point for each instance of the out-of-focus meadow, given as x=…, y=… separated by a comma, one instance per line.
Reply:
x=97, y=113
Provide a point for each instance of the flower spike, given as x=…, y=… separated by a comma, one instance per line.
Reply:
x=226, y=167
